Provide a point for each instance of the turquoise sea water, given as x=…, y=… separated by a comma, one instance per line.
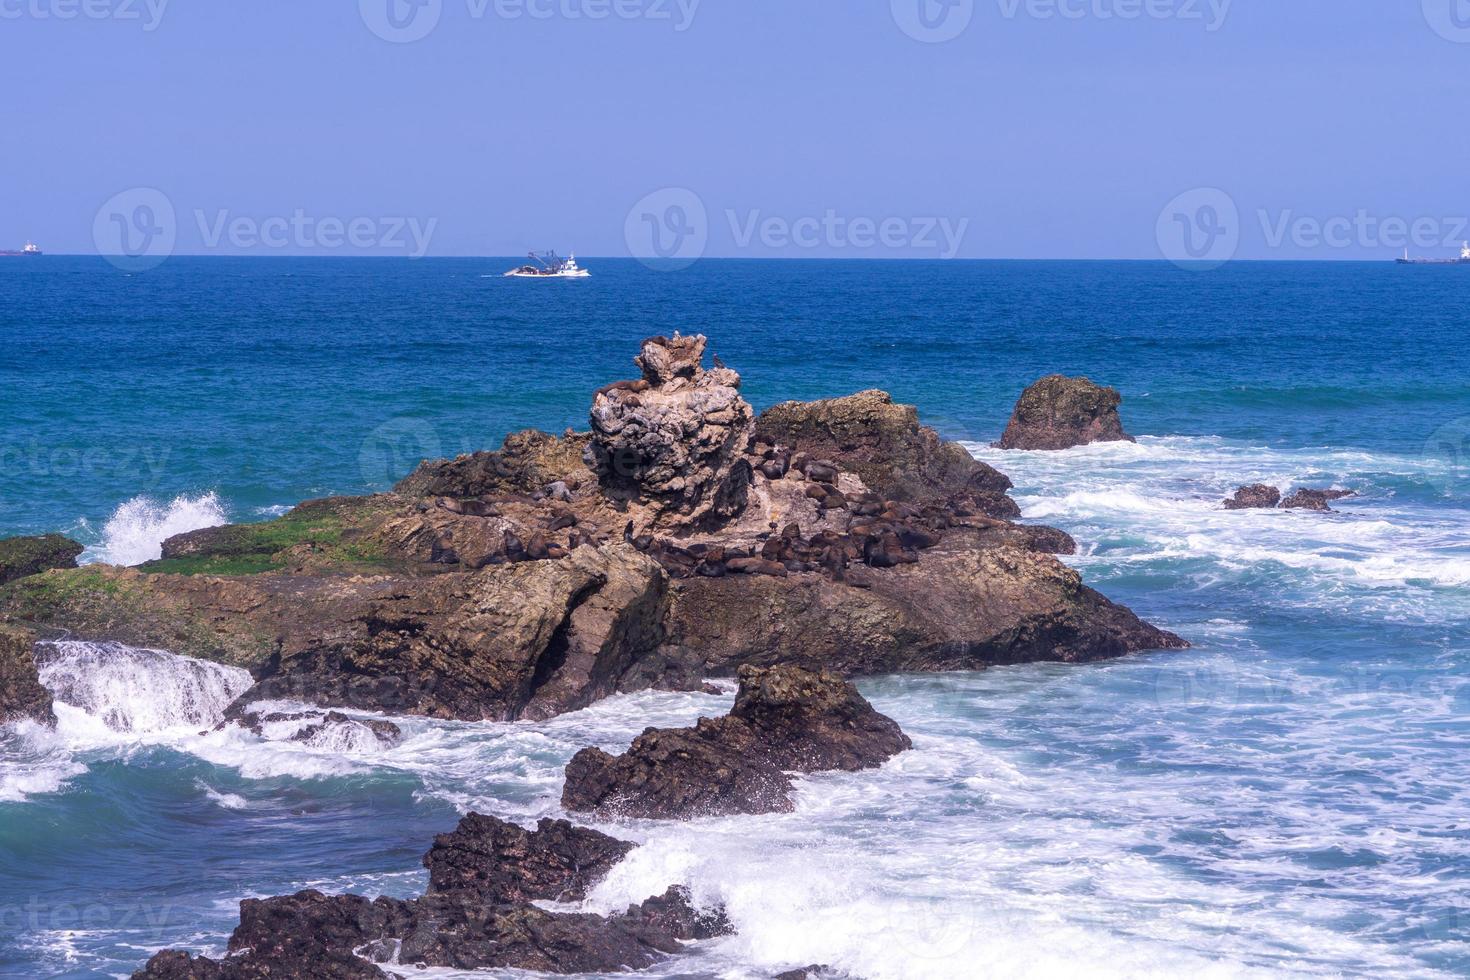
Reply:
x=1288, y=796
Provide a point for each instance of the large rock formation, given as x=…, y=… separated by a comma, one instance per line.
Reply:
x=476, y=915
x=672, y=443
x=785, y=719
x=20, y=557
x=21, y=695
x=838, y=534
x=1059, y=412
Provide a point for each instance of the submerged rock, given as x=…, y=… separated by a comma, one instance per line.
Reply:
x=671, y=444
x=1305, y=499
x=21, y=695
x=20, y=557
x=784, y=719
x=1059, y=412
x=1254, y=496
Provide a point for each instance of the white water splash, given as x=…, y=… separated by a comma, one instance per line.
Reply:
x=137, y=529
x=131, y=691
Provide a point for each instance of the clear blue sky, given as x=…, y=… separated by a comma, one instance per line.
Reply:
x=1049, y=136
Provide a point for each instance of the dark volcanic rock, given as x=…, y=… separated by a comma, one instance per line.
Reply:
x=476, y=916
x=20, y=557
x=312, y=935
x=671, y=444
x=1256, y=495
x=1059, y=412
x=21, y=693
x=885, y=445
x=784, y=719
x=506, y=863
x=1314, y=499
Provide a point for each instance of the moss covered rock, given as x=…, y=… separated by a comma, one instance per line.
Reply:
x=20, y=557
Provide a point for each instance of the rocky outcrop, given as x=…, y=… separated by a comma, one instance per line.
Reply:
x=1254, y=496
x=529, y=462
x=476, y=916
x=1059, y=412
x=531, y=639
x=839, y=534
x=20, y=557
x=21, y=695
x=1262, y=496
x=503, y=862
x=785, y=719
x=1306, y=499
x=671, y=444
x=884, y=445
x=964, y=606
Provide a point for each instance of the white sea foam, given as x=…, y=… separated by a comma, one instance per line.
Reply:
x=1160, y=499
x=137, y=529
x=103, y=690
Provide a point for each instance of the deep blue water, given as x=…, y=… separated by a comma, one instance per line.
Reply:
x=1290, y=795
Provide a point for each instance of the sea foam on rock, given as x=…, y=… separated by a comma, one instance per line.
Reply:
x=785, y=719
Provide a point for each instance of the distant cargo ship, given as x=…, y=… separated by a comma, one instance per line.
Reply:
x=31, y=249
x=1464, y=258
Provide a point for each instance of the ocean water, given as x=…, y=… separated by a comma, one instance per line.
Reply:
x=1286, y=798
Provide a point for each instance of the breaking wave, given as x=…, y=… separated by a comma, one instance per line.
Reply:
x=137, y=528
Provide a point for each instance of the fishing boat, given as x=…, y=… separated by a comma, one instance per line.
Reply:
x=549, y=265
